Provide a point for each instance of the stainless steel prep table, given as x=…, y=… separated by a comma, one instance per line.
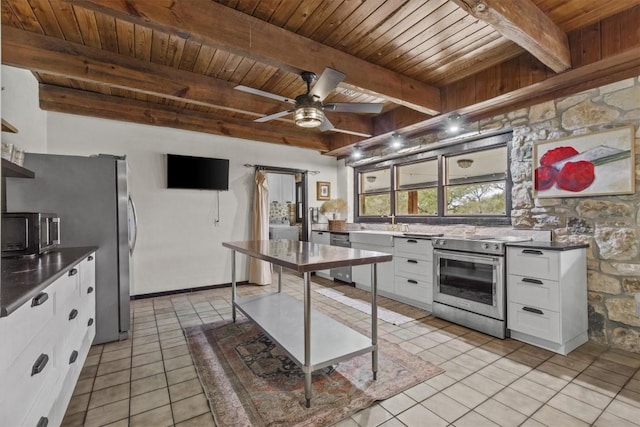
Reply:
x=319, y=340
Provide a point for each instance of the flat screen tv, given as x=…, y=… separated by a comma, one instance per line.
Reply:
x=201, y=173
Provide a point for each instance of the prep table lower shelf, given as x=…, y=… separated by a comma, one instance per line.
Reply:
x=281, y=317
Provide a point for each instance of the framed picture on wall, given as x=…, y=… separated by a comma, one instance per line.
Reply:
x=323, y=190
x=594, y=164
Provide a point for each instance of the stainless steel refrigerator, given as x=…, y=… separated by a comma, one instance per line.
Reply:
x=91, y=196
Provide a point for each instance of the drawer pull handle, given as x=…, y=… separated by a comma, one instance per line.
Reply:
x=73, y=272
x=41, y=362
x=73, y=314
x=43, y=422
x=73, y=357
x=532, y=310
x=532, y=252
x=412, y=261
x=90, y=322
x=90, y=258
x=412, y=241
x=534, y=281
x=39, y=299
x=413, y=282
x=90, y=289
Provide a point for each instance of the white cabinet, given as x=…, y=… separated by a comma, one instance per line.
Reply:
x=413, y=261
x=45, y=344
x=361, y=274
x=547, y=297
x=323, y=238
x=282, y=187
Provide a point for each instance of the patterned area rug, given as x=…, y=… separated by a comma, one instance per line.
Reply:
x=385, y=314
x=249, y=381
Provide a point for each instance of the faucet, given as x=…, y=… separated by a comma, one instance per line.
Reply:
x=393, y=218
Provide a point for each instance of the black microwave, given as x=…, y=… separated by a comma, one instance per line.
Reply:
x=29, y=233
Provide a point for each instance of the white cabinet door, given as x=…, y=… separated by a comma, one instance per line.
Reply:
x=288, y=188
x=361, y=274
x=275, y=187
x=323, y=238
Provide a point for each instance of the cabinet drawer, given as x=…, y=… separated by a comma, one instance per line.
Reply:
x=413, y=248
x=68, y=290
x=536, y=292
x=414, y=289
x=534, y=321
x=322, y=237
x=88, y=273
x=414, y=268
x=23, y=325
x=536, y=263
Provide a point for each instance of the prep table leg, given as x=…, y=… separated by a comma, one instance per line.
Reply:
x=307, y=337
x=233, y=285
x=374, y=319
x=279, y=278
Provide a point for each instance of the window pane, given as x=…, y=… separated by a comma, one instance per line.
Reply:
x=375, y=181
x=375, y=205
x=475, y=199
x=415, y=175
x=417, y=202
x=486, y=165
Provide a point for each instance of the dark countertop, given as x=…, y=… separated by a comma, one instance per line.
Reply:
x=23, y=278
x=551, y=246
x=304, y=256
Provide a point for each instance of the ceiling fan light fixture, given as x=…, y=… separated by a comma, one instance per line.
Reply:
x=308, y=117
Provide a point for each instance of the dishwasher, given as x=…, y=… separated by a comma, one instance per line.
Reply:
x=341, y=273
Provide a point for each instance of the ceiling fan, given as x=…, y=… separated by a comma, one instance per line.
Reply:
x=308, y=110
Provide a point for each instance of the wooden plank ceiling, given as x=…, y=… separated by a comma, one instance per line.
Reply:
x=175, y=63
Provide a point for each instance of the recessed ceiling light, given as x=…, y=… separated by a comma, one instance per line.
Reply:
x=396, y=141
x=357, y=153
x=454, y=123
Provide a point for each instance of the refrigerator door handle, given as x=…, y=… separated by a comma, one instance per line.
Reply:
x=133, y=223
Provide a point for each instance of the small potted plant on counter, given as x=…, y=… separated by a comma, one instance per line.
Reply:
x=333, y=210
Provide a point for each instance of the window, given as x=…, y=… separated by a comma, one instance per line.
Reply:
x=467, y=182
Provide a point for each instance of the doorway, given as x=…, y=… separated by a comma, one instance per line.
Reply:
x=288, y=201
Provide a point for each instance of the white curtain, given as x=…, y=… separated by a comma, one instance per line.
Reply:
x=260, y=271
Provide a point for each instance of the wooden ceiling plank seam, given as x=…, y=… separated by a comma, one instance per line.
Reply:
x=241, y=71
x=189, y=55
x=247, y=6
x=234, y=33
x=388, y=32
x=630, y=36
x=216, y=66
x=591, y=43
x=503, y=50
x=321, y=15
x=46, y=18
x=335, y=20
x=570, y=16
x=387, y=12
x=302, y=13
x=126, y=38
x=88, y=27
x=230, y=66
x=143, y=40
x=258, y=74
x=352, y=21
x=106, y=27
x=525, y=24
x=24, y=13
x=204, y=58
x=66, y=20
x=266, y=8
x=8, y=15
x=464, y=51
x=56, y=56
x=610, y=45
x=575, y=46
x=159, y=46
x=282, y=13
x=175, y=49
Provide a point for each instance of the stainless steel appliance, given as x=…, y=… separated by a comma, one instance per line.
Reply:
x=342, y=273
x=91, y=197
x=469, y=282
x=29, y=233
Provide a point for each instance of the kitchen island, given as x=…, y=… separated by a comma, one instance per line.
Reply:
x=311, y=339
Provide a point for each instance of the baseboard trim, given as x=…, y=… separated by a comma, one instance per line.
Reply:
x=184, y=290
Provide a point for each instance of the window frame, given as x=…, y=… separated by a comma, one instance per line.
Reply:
x=462, y=147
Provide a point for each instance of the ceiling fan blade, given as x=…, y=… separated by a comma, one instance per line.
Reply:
x=273, y=116
x=354, y=107
x=264, y=93
x=328, y=81
x=326, y=125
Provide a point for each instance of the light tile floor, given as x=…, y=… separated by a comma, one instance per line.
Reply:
x=149, y=380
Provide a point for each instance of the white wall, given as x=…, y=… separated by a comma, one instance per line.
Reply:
x=178, y=244
x=21, y=109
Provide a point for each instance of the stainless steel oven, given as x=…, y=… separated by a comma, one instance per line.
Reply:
x=469, y=282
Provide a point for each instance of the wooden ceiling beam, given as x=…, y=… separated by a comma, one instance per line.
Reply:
x=522, y=22
x=614, y=68
x=222, y=27
x=74, y=101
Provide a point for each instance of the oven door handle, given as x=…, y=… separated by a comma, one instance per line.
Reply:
x=466, y=257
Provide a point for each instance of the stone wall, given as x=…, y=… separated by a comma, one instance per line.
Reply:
x=609, y=224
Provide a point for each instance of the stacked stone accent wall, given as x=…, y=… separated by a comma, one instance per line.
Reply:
x=609, y=224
